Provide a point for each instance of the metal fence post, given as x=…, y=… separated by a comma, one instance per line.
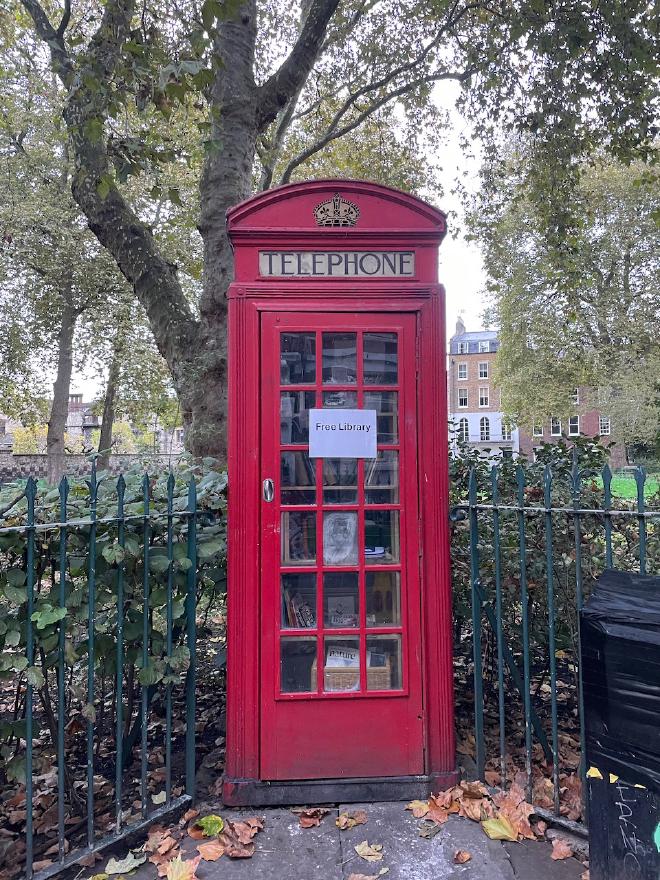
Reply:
x=476, y=629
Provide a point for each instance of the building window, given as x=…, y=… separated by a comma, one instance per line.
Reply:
x=462, y=371
x=574, y=426
x=462, y=398
x=484, y=347
x=506, y=431
x=75, y=398
x=463, y=348
x=483, y=370
x=463, y=431
x=575, y=396
x=484, y=428
x=537, y=430
x=483, y=396
x=604, y=426
x=555, y=427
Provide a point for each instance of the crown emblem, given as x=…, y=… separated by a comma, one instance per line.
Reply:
x=336, y=212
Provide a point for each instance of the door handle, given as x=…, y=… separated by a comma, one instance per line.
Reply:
x=269, y=489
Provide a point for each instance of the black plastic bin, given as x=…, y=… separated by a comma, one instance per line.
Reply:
x=620, y=635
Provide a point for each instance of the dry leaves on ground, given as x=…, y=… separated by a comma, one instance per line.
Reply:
x=236, y=838
x=211, y=851
x=177, y=869
x=370, y=852
x=503, y=816
x=309, y=817
x=461, y=856
x=561, y=849
x=350, y=820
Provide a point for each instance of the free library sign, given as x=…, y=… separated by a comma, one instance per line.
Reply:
x=342, y=433
x=337, y=264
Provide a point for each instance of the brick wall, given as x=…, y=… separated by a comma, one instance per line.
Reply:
x=473, y=382
x=15, y=467
x=589, y=427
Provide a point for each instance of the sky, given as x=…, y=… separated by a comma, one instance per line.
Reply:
x=460, y=262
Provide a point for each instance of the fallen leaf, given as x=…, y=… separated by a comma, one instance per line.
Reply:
x=429, y=829
x=370, y=852
x=180, y=870
x=309, y=817
x=187, y=816
x=350, y=820
x=211, y=851
x=90, y=860
x=123, y=866
x=159, y=798
x=211, y=825
x=585, y=875
x=236, y=838
x=561, y=849
x=419, y=808
x=492, y=777
x=99, y=877
x=461, y=856
x=541, y=827
x=39, y=866
x=499, y=829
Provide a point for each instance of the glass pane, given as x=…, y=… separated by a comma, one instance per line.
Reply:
x=380, y=359
x=294, y=415
x=299, y=538
x=381, y=536
x=298, y=478
x=342, y=665
x=339, y=358
x=298, y=600
x=383, y=663
x=386, y=404
x=297, y=358
x=383, y=598
x=381, y=478
x=297, y=659
x=340, y=540
x=341, y=599
x=340, y=399
x=340, y=480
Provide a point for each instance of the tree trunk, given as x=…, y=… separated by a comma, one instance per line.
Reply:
x=61, y=389
x=107, y=420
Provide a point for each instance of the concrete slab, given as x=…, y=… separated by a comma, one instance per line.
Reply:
x=532, y=858
x=411, y=857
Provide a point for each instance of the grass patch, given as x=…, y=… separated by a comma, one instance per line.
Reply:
x=624, y=486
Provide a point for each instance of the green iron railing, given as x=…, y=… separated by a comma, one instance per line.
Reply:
x=47, y=575
x=536, y=541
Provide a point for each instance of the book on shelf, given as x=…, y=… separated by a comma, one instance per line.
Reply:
x=342, y=658
x=298, y=613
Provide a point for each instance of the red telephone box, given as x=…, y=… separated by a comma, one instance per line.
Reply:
x=339, y=606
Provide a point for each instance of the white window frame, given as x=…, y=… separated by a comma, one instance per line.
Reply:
x=463, y=348
x=483, y=369
x=483, y=396
x=484, y=429
x=464, y=436
x=461, y=367
x=576, y=432
x=554, y=420
x=602, y=422
x=506, y=432
x=576, y=397
x=461, y=392
x=537, y=430
x=484, y=347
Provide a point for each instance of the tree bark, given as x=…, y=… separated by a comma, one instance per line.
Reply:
x=61, y=388
x=108, y=417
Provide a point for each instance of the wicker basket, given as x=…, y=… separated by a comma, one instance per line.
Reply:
x=337, y=679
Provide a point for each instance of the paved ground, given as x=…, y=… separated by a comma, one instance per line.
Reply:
x=284, y=850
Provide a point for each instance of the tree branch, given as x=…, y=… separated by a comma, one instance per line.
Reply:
x=331, y=135
x=278, y=90
x=61, y=62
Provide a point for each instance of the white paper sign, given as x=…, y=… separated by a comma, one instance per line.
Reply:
x=342, y=433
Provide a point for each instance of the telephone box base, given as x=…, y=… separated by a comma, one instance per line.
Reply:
x=253, y=792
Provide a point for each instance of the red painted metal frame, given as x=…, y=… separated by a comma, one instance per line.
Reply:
x=283, y=219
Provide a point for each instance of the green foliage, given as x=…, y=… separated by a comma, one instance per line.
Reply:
x=112, y=557
x=581, y=315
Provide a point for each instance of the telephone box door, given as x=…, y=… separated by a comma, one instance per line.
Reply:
x=341, y=651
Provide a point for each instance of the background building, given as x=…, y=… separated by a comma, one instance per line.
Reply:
x=474, y=400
